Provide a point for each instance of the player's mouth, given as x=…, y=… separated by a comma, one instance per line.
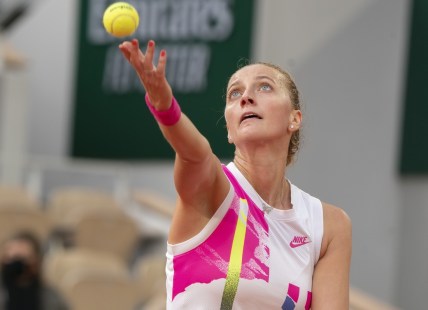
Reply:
x=249, y=116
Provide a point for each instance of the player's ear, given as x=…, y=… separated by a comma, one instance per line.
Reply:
x=295, y=120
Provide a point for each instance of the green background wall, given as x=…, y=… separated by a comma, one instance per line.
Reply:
x=205, y=41
x=414, y=147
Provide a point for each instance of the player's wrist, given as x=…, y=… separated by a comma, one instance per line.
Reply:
x=167, y=117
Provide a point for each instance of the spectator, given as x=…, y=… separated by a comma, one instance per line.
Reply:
x=22, y=286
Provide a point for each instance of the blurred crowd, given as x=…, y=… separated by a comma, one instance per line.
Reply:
x=79, y=250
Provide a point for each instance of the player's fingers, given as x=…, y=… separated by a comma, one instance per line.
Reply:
x=125, y=51
x=126, y=54
x=148, y=59
x=136, y=56
x=135, y=45
x=130, y=51
x=141, y=57
x=135, y=49
x=161, y=63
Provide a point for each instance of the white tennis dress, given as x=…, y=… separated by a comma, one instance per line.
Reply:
x=249, y=255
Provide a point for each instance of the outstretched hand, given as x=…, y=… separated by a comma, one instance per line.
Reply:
x=152, y=77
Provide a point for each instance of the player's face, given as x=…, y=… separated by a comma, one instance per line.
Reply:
x=258, y=106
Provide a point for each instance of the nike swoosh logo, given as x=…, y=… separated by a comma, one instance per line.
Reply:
x=295, y=245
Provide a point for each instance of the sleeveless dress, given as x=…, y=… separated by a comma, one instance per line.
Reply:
x=249, y=255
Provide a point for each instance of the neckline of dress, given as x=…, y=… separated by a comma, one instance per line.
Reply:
x=267, y=209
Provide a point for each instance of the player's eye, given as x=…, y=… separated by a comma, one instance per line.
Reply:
x=234, y=94
x=265, y=87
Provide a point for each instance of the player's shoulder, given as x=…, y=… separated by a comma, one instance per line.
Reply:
x=336, y=220
x=337, y=228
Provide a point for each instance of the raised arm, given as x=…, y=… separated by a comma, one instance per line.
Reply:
x=199, y=180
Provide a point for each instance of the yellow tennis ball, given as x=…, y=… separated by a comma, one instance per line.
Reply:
x=121, y=19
